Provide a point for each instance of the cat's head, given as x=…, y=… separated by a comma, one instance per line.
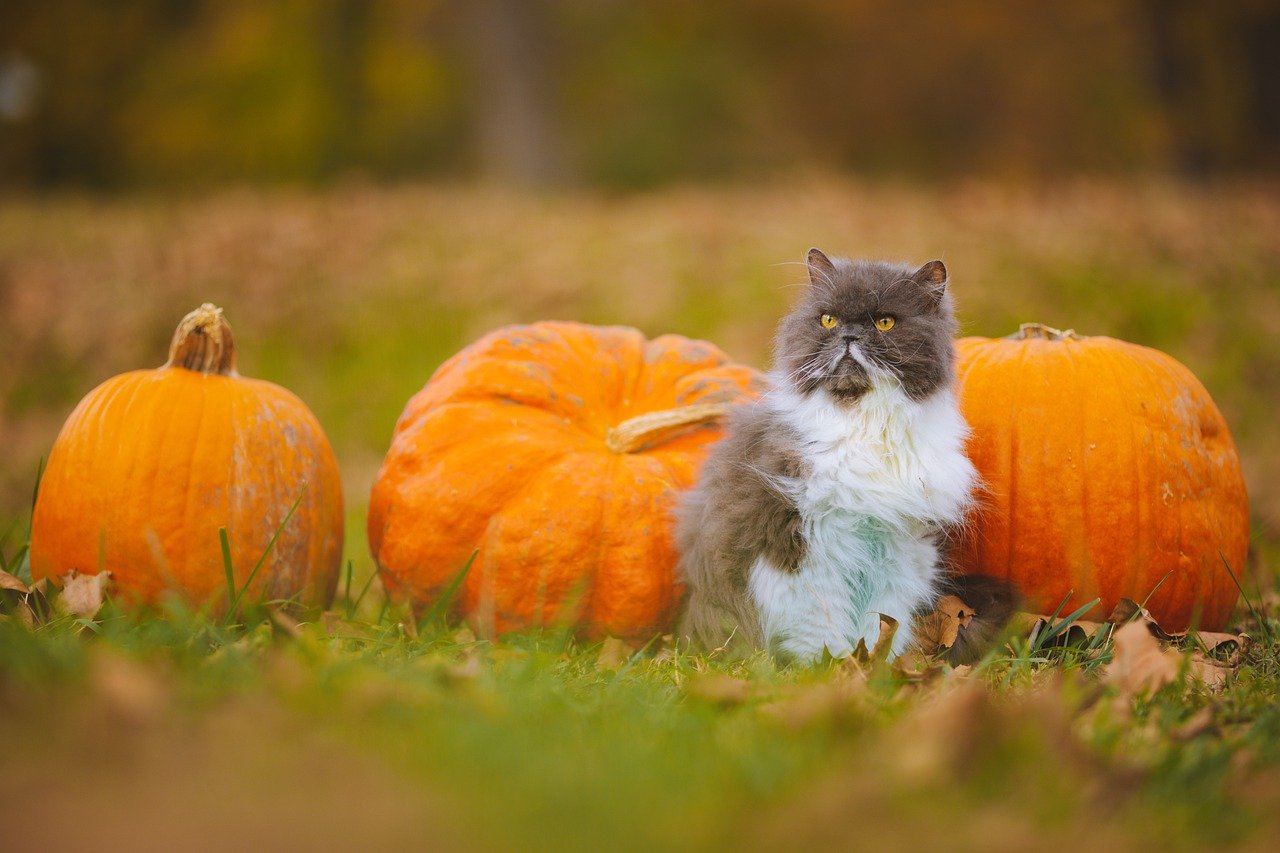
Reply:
x=861, y=324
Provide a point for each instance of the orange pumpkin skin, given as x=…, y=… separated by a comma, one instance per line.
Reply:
x=511, y=451
x=1109, y=472
x=152, y=463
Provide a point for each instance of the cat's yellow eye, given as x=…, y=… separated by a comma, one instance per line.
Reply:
x=884, y=324
x=828, y=321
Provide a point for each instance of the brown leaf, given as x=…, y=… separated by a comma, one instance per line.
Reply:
x=884, y=642
x=11, y=583
x=1211, y=673
x=938, y=630
x=1126, y=610
x=468, y=667
x=22, y=614
x=34, y=608
x=283, y=624
x=613, y=653
x=132, y=692
x=83, y=595
x=1139, y=664
x=816, y=704
x=943, y=731
x=917, y=665
x=717, y=689
x=1228, y=648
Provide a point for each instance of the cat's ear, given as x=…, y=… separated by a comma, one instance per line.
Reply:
x=932, y=277
x=821, y=270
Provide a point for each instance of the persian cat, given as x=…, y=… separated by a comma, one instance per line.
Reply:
x=829, y=498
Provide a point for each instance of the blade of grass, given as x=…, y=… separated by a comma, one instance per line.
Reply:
x=1035, y=634
x=353, y=606
x=226, y=564
x=1253, y=611
x=35, y=492
x=443, y=602
x=1143, y=604
x=1065, y=623
x=20, y=566
x=235, y=603
x=346, y=592
x=4, y=564
x=1061, y=605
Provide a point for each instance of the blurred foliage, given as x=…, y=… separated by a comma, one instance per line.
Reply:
x=627, y=93
x=352, y=296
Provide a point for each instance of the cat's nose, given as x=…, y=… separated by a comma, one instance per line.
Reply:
x=848, y=339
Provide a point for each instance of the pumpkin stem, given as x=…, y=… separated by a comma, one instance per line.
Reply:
x=652, y=428
x=203, y=343
x=1039, y=330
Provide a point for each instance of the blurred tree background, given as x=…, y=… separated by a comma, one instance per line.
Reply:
x=361, y=184
x=626, y=94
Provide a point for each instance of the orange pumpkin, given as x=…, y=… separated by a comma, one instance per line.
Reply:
x=554, y=452
x=1109, y=473
x=153, y=462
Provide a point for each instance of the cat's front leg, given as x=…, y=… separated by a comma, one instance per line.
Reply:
x=780, y=532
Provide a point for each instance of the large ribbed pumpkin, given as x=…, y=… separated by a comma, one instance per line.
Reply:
x=554, y=452
x=152, y=463
x=1109, y=473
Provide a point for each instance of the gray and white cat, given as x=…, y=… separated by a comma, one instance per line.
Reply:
x=826, y=502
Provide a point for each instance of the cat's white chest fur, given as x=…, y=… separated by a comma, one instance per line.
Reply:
x=882, y=476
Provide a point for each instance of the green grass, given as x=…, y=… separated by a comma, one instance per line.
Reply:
x=431, y=737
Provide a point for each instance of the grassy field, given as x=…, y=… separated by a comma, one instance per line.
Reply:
x=349, y=731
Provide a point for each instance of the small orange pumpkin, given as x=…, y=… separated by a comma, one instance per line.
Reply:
x=1109, y=473
x=554, y=452
x=152, y=463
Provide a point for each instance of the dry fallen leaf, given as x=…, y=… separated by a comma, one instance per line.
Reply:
x=1210, y=672
x=83, y=595
x=130, y=691
x=613, y=653
x=717, y=689
x=1139, y=663
x=884, y=642
x=917, y=665
x=468, y=667
x=283, y=624
x=819, y=703
x=10, y=583
x=937, y=738
x=938, y=630
x=1220, y=645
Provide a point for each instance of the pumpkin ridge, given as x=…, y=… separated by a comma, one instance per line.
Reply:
x=587, y=604
x=197, y=452
x=168, y=426
x=1013, y=468
x=1085, y=554
x=1142, y=534
x=1186, y=506
x=257, y=417
x=501, y=614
